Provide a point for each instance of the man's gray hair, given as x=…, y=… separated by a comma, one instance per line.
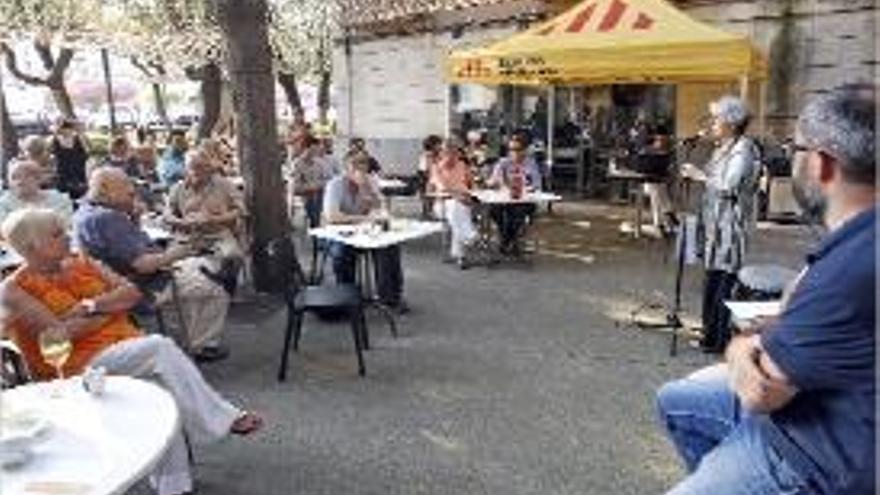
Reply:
x=842, y=125
x=732, y=111
x=101, y=181
x=28, y=228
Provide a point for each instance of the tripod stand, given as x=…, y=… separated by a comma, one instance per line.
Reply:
x=673, y=318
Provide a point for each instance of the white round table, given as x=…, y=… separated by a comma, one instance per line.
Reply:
x=95, y=445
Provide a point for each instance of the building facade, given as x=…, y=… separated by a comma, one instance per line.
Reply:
x=390, y=87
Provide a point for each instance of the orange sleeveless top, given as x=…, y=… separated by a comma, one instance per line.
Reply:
x=80, y=279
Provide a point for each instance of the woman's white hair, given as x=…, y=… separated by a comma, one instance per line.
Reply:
x=28, y=228
x=731, y=110
x=24, y=164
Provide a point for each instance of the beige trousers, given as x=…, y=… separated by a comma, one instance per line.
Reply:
x=205, y=415
x=203, y=302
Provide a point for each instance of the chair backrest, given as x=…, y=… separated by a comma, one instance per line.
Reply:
x=13, y=368
x=281, y=256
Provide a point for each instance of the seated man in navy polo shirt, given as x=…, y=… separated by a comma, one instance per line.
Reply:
x=793, y=408
x=105, y=228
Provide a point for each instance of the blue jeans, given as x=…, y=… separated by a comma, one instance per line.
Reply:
x=388, y=270
x=313, y=204
x=722, y=446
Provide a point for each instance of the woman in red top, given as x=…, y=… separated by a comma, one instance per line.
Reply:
x=77, y=296
x=451, y=182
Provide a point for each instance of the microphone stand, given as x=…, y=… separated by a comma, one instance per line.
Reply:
x=673, y=313
x=673, y=318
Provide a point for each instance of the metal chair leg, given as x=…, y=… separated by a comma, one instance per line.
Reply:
x=365, y=332
x=358, y=334
x=288, y=333
x=297, y=329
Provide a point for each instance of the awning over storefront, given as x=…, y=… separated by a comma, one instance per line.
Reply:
x=612, y=42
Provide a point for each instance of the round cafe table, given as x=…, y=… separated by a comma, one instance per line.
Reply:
x=94, y=445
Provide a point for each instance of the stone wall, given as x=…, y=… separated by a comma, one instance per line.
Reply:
x=813, y=45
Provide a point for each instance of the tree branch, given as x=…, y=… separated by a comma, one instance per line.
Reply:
x=141, y=67
x=12, y=66
x=56, y=76
x=45, y=53
x=64, y=59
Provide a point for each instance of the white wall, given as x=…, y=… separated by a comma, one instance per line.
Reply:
x=395, y=94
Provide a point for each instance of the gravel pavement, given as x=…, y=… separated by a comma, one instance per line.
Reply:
x=517, y=379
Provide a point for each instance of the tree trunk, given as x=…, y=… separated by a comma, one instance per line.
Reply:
x=9, y=135
x=244, y=23
x=62, y=101
x=288, y=84
x=159, y=102
x=324, y=97
x=211, y=89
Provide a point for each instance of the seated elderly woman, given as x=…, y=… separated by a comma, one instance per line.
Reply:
x=106, y=227
x=24, y=191
x=450, y=181
x=75, y=294
x=205, y=210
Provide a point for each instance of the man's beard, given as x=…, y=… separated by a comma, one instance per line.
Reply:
x=809, y=197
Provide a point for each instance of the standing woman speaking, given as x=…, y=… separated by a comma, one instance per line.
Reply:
x=727, y=213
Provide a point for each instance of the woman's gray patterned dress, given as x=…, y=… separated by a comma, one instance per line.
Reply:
x=728, y=204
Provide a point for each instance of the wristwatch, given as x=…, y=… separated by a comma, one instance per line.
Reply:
x=91, y=306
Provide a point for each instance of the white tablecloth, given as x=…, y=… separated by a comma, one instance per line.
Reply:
x=369, y=236
x=95, y=445
x=502, y=196
x=390, y=184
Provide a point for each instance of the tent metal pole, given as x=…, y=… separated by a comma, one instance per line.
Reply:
x=744, y=88
x=551, y=119
x=349, y=90
x=762, y=109
x=447, y=111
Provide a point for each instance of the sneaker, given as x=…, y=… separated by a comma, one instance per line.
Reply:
x=210, y=354
x=400, y=307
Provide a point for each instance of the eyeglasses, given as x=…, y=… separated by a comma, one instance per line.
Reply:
x=801, y=148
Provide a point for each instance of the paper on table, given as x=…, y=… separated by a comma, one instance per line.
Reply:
x=57, y=488
x=749, y=310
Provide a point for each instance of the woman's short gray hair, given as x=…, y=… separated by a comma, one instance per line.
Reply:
x=28, y=228
x=25, y=164
x=732, y=111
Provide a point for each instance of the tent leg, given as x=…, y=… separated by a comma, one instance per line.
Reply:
x=551, y=119
x=744, y=88
x=762, y=109
x=447, y=108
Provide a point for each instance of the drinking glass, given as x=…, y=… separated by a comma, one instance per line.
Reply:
x=55, y=346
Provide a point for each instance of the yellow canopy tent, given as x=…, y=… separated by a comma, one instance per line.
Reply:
x=603, y=42
x=612, y=42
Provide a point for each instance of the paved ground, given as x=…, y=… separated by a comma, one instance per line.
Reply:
x=511, y=380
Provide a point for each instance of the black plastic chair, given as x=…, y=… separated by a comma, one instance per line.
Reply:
x=13, y=368
x=302, y=298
